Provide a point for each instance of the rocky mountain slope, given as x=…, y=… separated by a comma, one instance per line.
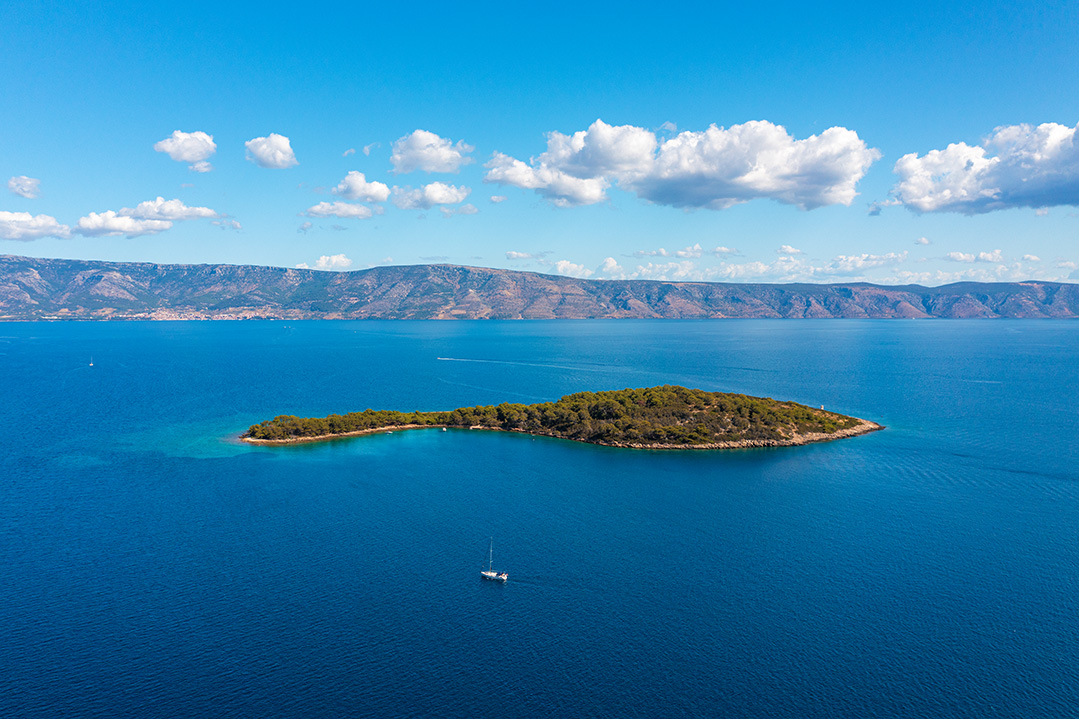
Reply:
x=76, y=289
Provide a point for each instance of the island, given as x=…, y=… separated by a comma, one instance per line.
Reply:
x=667, y=417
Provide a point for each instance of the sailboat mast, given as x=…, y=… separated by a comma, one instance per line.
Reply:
x=491, y=555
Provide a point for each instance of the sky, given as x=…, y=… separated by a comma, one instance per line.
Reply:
x=916, y=143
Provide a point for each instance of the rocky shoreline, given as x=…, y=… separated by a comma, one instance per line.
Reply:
x=863, y=427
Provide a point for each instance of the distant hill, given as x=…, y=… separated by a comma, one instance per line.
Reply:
x=32, y=289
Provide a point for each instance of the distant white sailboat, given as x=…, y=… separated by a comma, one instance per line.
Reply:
x=91, y=360
x=490, y=572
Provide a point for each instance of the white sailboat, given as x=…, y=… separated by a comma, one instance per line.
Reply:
x=490, y=572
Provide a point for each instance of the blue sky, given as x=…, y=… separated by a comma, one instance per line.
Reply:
x=768, y=143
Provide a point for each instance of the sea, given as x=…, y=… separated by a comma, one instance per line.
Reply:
x=153, y=566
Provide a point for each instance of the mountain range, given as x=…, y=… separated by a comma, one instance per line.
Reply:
x=49, y=289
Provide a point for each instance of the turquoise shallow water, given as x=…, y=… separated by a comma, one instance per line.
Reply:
x=155, y=567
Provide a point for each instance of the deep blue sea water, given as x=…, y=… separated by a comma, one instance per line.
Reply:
x=150, y=566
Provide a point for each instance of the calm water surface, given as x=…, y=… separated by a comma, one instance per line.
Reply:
x=152, y=566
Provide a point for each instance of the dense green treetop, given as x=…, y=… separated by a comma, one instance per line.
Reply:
x=667, y=415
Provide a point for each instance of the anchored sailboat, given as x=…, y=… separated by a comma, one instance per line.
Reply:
x=490, y=572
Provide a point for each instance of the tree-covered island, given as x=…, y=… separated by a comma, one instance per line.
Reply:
x=668, y=417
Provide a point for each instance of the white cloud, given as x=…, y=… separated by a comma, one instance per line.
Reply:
x=721, y=251
x=349, y=151
x=995, y=257
x=997, y=272
x=612, y=269
x=228, y=225
x=922, y=241
x=570, y=269
x=23, y=186
x=498, y=198
x=340, y=209
x=691, y=251
x=193, y=148
x=112, y=223
x=146, y=218
x=307, y=225
x=788, y=250
x=1031, y=258
x=162, y=209
x=1042, y=212
x=959, y=257
x=602, y=149
x=467, y=209
x=367, y=148
x=327, y=262
x=715, y=169
x=1016, y=166
x=273, y=152
x=427, y=196
x=356, y=187
x=669, y=126
x=560, y=188
x=423, y=150
x=514, y=255
x=857, y=264
x=683, y=270
x=24, y=226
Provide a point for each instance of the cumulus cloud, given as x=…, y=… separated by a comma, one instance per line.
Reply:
x=24, y=226
x=24, y=186
x=273, y=152
x=498, y=198
x=570, y=269
x=146, y=218
x=427, y=196
x=722, y=251
x=922, y=241
x=1031, y=258
x=560, y=188
x=857, y=264
x=611, y=268
x=367, y=148
x=1016, y=166
x=715, y=169
x=423, y=150
x=111, y=223
x=678, y=270
x=788, y=250
x=356, y=187
x=162, y=209
x=328, y=262
x=228, y=225
x=340, y=209
x=194, y=148
x=995, y=256
x=691, y=251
